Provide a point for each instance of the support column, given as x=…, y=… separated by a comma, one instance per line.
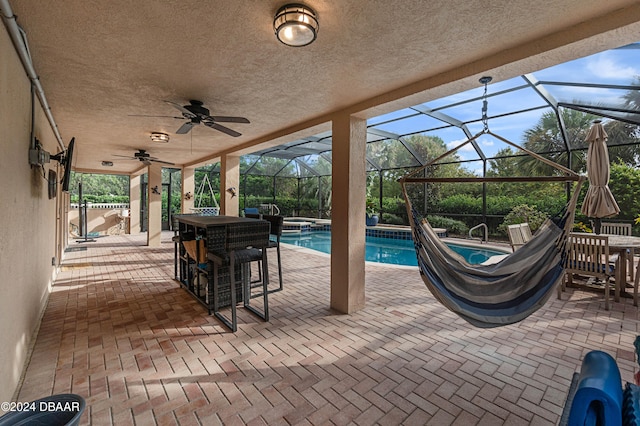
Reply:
x=348, y=213
x=134, y=204
x=188, y=187
x=229, y=178
x=154, y=206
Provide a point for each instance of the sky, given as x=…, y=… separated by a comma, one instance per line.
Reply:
x=612, y=67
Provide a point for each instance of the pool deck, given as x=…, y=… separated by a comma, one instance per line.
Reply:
x=119, y=331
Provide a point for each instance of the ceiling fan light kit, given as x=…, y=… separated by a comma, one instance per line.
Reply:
x=296, y=25
x=159, y=137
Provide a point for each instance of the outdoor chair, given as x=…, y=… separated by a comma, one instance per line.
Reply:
x=526, y=232
x=519, y=235
x=244, y=243
x=515, y=236
x=635, y=286
x=588, y=255
x=619, y=229
x=615, y=228
x=176, y=241
x=277, y=224
x=175, y=227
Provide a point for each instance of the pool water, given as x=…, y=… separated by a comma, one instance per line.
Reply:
x=386, y=250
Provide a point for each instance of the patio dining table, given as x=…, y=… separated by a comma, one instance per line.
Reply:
x=624, y=245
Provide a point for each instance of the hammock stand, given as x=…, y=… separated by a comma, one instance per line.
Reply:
x=205, y=211
x=510, y=290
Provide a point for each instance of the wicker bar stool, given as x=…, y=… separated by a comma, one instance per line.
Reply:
x=243, y=243
x=175, y=227
x=277, y=224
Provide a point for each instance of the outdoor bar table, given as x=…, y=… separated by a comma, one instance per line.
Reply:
x=194, y=272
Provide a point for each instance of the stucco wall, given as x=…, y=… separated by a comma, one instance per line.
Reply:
x=29, y=238
x=107, y=221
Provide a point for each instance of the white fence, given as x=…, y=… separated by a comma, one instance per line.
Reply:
x=109, y=206
x=102, y=219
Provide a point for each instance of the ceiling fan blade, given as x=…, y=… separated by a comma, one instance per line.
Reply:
x=128, y=157
x=182, y=109
x=185, y=128
x=156, y=116
x=223, y=129
x=223, y=119
x=162, y=162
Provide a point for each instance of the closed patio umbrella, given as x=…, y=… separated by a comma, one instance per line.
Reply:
x=599, y=201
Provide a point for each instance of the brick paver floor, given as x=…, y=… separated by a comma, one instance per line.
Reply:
x=119, y=331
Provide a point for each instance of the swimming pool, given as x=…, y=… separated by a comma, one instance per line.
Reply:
x=386, y=250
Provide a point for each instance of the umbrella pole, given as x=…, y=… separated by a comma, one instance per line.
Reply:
x=597, y=225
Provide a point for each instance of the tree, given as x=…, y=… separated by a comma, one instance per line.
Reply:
x=623, y=142
x=625, y=186
x=101, y=188
x=546, y=139
x=505, y=163
x=398, y=158
x=624, y=138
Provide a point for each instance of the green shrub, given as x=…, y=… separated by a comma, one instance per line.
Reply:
x=523, y=213
x=460, y=203
x=581, y=227
x=392, y=219
x=453, y=226
x=499, y=205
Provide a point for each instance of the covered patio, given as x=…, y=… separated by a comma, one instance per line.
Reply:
x=106, y=320
x=121, y=332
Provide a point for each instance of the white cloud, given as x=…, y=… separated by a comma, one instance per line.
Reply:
x=467, y=148
x=605, y=66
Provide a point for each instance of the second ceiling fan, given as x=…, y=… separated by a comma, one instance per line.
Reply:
x=196, y=114
x=144, y=157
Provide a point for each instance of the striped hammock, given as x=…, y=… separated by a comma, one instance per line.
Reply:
x=505, y=292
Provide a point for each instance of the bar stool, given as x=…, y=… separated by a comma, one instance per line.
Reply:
x=244, y=243
x=175, y=227
x=277, y=224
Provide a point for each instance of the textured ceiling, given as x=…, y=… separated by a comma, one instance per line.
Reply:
x=104, y=63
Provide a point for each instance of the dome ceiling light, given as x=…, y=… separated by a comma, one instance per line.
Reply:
x=296, y=25
x=159, y=137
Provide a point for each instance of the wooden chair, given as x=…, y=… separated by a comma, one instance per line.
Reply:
x=635, y=286
x=615, y=228
x=588, y=255
x=619, y=229
x=526, y=232
x=515, y=236
x=519, y=235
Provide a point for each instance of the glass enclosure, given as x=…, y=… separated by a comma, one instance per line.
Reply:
x=547, y=111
